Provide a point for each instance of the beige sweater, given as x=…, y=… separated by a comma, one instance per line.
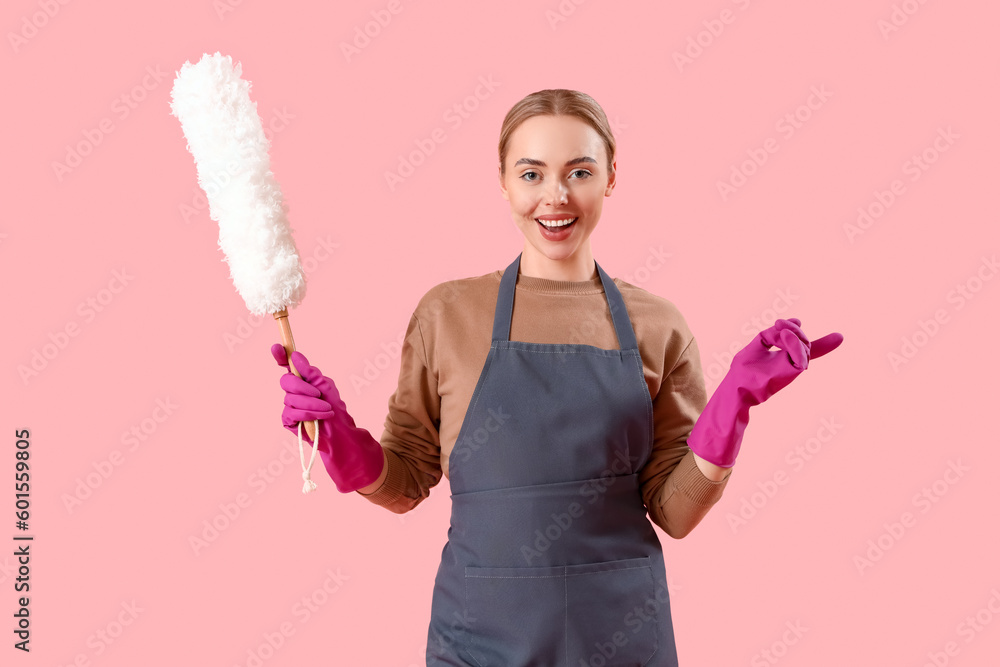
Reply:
x=446, y=344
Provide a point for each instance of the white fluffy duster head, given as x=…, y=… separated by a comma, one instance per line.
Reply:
x=226, y=138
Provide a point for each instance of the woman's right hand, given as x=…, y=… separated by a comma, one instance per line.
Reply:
x=352, y=457
x=303, y=401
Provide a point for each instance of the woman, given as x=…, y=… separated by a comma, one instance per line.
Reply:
x=563, y=406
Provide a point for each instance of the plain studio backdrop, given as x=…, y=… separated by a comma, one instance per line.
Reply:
x=831, y=162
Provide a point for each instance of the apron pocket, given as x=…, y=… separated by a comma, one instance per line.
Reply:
x=516, y=615
x=610, y=622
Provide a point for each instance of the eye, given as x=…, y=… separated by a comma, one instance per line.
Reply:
x=533, y=173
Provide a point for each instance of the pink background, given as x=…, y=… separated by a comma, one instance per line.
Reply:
x=132, y=205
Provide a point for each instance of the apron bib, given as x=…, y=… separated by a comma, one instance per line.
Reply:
x=550, y=559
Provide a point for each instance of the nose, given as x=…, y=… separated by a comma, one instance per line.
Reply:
x=558, y=193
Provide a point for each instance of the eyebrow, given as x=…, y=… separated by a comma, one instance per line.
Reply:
x=538, y=163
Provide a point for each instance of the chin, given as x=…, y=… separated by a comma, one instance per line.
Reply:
x=556, y=254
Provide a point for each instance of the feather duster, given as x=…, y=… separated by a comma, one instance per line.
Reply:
x=226, y=137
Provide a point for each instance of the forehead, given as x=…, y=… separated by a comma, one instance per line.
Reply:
x=548, y=136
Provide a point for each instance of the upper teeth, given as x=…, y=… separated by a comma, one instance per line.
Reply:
x=556, y=223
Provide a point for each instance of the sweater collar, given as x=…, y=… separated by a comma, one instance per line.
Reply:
x=549, y=286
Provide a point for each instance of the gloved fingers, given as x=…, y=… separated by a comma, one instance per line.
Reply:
x=827, y=343
x=788, y=342
x=313, y=377
x=329, y=389
x=792, y=324
x=309, y=373
x=296, y=385
x=290, y=415
x=772, y=335
x=288, y=421
x=278, y=352
x=310, y=403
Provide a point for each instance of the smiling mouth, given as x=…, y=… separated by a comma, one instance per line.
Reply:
x=556, y=224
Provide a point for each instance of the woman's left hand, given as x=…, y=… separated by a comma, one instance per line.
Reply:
x=761, y=372
x=756, y=373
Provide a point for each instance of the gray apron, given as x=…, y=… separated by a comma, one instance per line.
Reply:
x=550, y=558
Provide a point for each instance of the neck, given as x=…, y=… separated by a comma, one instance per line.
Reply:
x=578, y=266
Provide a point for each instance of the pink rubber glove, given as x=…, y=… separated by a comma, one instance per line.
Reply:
x=352, y=457
x=756, y=374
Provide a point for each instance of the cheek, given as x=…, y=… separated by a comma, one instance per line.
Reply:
x=593, y=203
x=524, y=208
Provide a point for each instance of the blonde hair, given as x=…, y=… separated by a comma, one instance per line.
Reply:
x=556, y=102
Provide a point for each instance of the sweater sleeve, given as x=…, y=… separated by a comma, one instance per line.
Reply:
x=676, y=493
x=411, y=439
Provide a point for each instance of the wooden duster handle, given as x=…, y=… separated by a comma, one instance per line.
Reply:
x=286, y=339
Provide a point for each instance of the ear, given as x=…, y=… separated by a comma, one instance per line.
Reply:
x=611, y=178
x=503, y=188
